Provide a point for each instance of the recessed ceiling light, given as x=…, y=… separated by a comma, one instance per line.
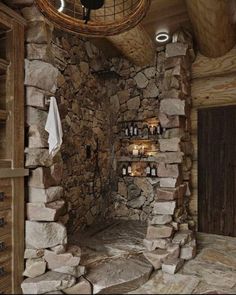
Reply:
x=162, y=37
x=62, y=6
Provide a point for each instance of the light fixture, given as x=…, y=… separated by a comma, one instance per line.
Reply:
x=94, y=18
x=162, y=37
x=62, y=6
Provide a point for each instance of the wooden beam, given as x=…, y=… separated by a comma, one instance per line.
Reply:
x=204, y=67
x=214, y=91
x=136, y=45
x=212, y=26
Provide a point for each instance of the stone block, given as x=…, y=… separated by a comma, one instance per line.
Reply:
x=141, y=80
x=173, y=250
x=35, y=98
x=188, y=251
x=159, y=231
x=165, y=208
x=42, y=178
x=156, y=257
x=137, y=202
x=37, y=158
x=152, y=244
x=172, y=265
x=173, y=107
x=34, y=267
x=115, y=103
x=45, y=212
x=75, y=271
x=36, y=117
x=169, y=145
x=59, y=249
x=169, y=157
x=40, y=195
x=166, y=194
x=176, y=49
x=83, y=286
x=122, y=189
x=50, y=281
x=55, y=261
x=41, y=235
x=41, y=75
x=38, y=137
x=39, y=52
x=169, y=182
x=151, y=91
x=39, y=32
x=150, y=72
x=33, y=253
x=182, y=237
x=160, y=219
x=168, y=170
x=169, y=121
x=32, y=13
x=133, y=103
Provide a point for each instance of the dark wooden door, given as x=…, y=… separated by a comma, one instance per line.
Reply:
x=217, y=170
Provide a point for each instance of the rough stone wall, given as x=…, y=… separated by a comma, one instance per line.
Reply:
x=71, y=189
x=160, y=92
x=68, y=67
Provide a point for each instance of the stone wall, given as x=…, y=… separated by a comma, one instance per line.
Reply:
x=69, y=190
x=160, y=92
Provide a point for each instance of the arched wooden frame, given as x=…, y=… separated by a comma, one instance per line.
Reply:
x=92, y=28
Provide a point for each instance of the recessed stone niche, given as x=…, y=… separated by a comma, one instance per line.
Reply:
x=72, y=191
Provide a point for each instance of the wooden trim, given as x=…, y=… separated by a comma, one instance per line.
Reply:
x=18, y=157
x=11, y=13
x=93, y=28
x=13, y=173
x=3, y=115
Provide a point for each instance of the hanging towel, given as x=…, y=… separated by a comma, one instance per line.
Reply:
x=54, y=128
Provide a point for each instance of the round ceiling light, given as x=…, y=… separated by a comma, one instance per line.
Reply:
x=110, y=17
x=162, y=37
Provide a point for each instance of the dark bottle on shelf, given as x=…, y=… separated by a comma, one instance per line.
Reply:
x=127, y=130
x=135, y=130
x=131, y=129
x=129, y=169
x=154, y=171
x=124, y=170
x=159, y=128
x=148, y=170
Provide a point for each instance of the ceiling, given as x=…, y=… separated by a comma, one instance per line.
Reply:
x=163, y=15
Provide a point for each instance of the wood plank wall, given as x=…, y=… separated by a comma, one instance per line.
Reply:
x=213, y=84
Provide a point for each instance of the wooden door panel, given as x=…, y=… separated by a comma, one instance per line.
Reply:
x=217, y=170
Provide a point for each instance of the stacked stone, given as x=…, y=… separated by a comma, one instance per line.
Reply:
x=169, y=240
x=51, y=265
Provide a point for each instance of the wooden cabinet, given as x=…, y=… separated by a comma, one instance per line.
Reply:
x=12, y=170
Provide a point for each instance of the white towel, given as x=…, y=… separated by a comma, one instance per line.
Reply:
x=54, y=128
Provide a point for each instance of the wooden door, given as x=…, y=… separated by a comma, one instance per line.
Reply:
x=217, y=170
x=12, y=170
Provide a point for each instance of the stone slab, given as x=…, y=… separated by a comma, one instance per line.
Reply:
x=133, y=272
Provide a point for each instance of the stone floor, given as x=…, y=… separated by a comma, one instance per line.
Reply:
x=113, y=256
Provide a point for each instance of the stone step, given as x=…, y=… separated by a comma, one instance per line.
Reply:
x=119, y=276
x=172, y=265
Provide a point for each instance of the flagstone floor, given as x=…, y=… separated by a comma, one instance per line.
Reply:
x=213, y=271
x=113, y=256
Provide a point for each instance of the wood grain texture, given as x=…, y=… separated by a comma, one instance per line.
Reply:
x=205, y=67
x=136, y=45
x=212, y=26
x=214, y=91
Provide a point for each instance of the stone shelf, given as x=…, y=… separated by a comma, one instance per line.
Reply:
x=136, y=159
x=138, y=138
